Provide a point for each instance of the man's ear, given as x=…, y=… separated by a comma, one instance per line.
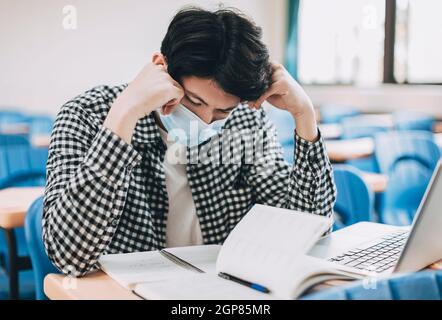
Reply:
x=159, y=59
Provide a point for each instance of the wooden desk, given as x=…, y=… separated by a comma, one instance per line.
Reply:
x=331, y=131
x=96, y=286
x=99, y=286
x=376, y=182
x=42, y=141
x=335, y=130
x=14, y=203
x=15, y=128
x=344, y=150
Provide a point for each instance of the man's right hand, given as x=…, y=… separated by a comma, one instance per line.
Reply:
x=153, y=88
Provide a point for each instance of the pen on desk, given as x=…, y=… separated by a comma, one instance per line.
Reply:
x=180, y=261
x=244, y=282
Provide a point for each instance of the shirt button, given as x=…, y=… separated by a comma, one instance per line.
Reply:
x=114, y=222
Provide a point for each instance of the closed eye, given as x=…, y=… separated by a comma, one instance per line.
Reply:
x=226, y=111
x=196, y=104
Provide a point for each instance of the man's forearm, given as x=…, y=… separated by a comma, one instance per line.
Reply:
x=82, y=206
x=306, y=126
x=121, y=121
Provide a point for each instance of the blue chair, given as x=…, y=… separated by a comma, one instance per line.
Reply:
x=40, y=125
x=408, y=158
x=286, y=131
x=30, y=178
x=288, y=152
x=413, y=121
x=39, y=157
x=26, y=277
x=284, y=123
x=368, y=164
x=27, y=286
x=20, y=162
x=11, y=117
x=355, y=128
x=14, y=155
x=11, y=112
x=425, y=285
x=354, y=202
x=336, y=113
x=358, y=127
x=20, y=165
x=40, y=261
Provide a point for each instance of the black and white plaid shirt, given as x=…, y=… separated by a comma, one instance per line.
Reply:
x=106, y=196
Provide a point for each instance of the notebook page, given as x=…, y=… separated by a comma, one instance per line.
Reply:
x=131, y=268
x=203, y=257
x=198, y=287
x=268, y=247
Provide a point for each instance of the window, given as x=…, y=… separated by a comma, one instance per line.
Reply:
x=367, y=42
x=341, y=41
x=418, y=47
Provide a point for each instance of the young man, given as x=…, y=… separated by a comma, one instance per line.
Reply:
x=112, y=186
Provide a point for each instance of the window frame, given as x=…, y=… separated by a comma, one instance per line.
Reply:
x=389, y=45
x=389, y=51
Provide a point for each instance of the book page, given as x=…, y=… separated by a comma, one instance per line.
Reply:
x=198, y=287
x=131, y=268
x=268, y=247
x=306, y=272
x=203, y=257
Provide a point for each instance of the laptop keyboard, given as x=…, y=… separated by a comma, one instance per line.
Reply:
x=375, y=258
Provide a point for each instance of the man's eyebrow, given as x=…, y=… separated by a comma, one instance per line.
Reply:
x=196, y=96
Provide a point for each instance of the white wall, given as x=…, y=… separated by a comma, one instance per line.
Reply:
x=42, y=65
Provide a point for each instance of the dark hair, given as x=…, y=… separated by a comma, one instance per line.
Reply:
x=224, y=45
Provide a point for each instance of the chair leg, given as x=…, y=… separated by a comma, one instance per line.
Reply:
x=13, y=263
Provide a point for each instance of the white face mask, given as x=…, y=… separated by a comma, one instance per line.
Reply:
x=187, y=128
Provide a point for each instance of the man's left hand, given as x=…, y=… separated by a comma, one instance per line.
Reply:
x=286, y=94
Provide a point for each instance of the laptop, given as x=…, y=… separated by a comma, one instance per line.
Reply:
x=367, y=248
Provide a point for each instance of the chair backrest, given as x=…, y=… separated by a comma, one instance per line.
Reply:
x=356, y=127
x=413, y=121
x=39, y=158
x=284, y=124
x=40, y=125
x=19, y=166
x=409, y=159
x=425, y=285
x=40, y=261
x=354, y=202
x=14, y=154
x=336, y=113
x=20, y=163
x=419, y=145
x=11, y=117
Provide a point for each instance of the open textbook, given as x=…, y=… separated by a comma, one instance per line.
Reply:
x=268, y=247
